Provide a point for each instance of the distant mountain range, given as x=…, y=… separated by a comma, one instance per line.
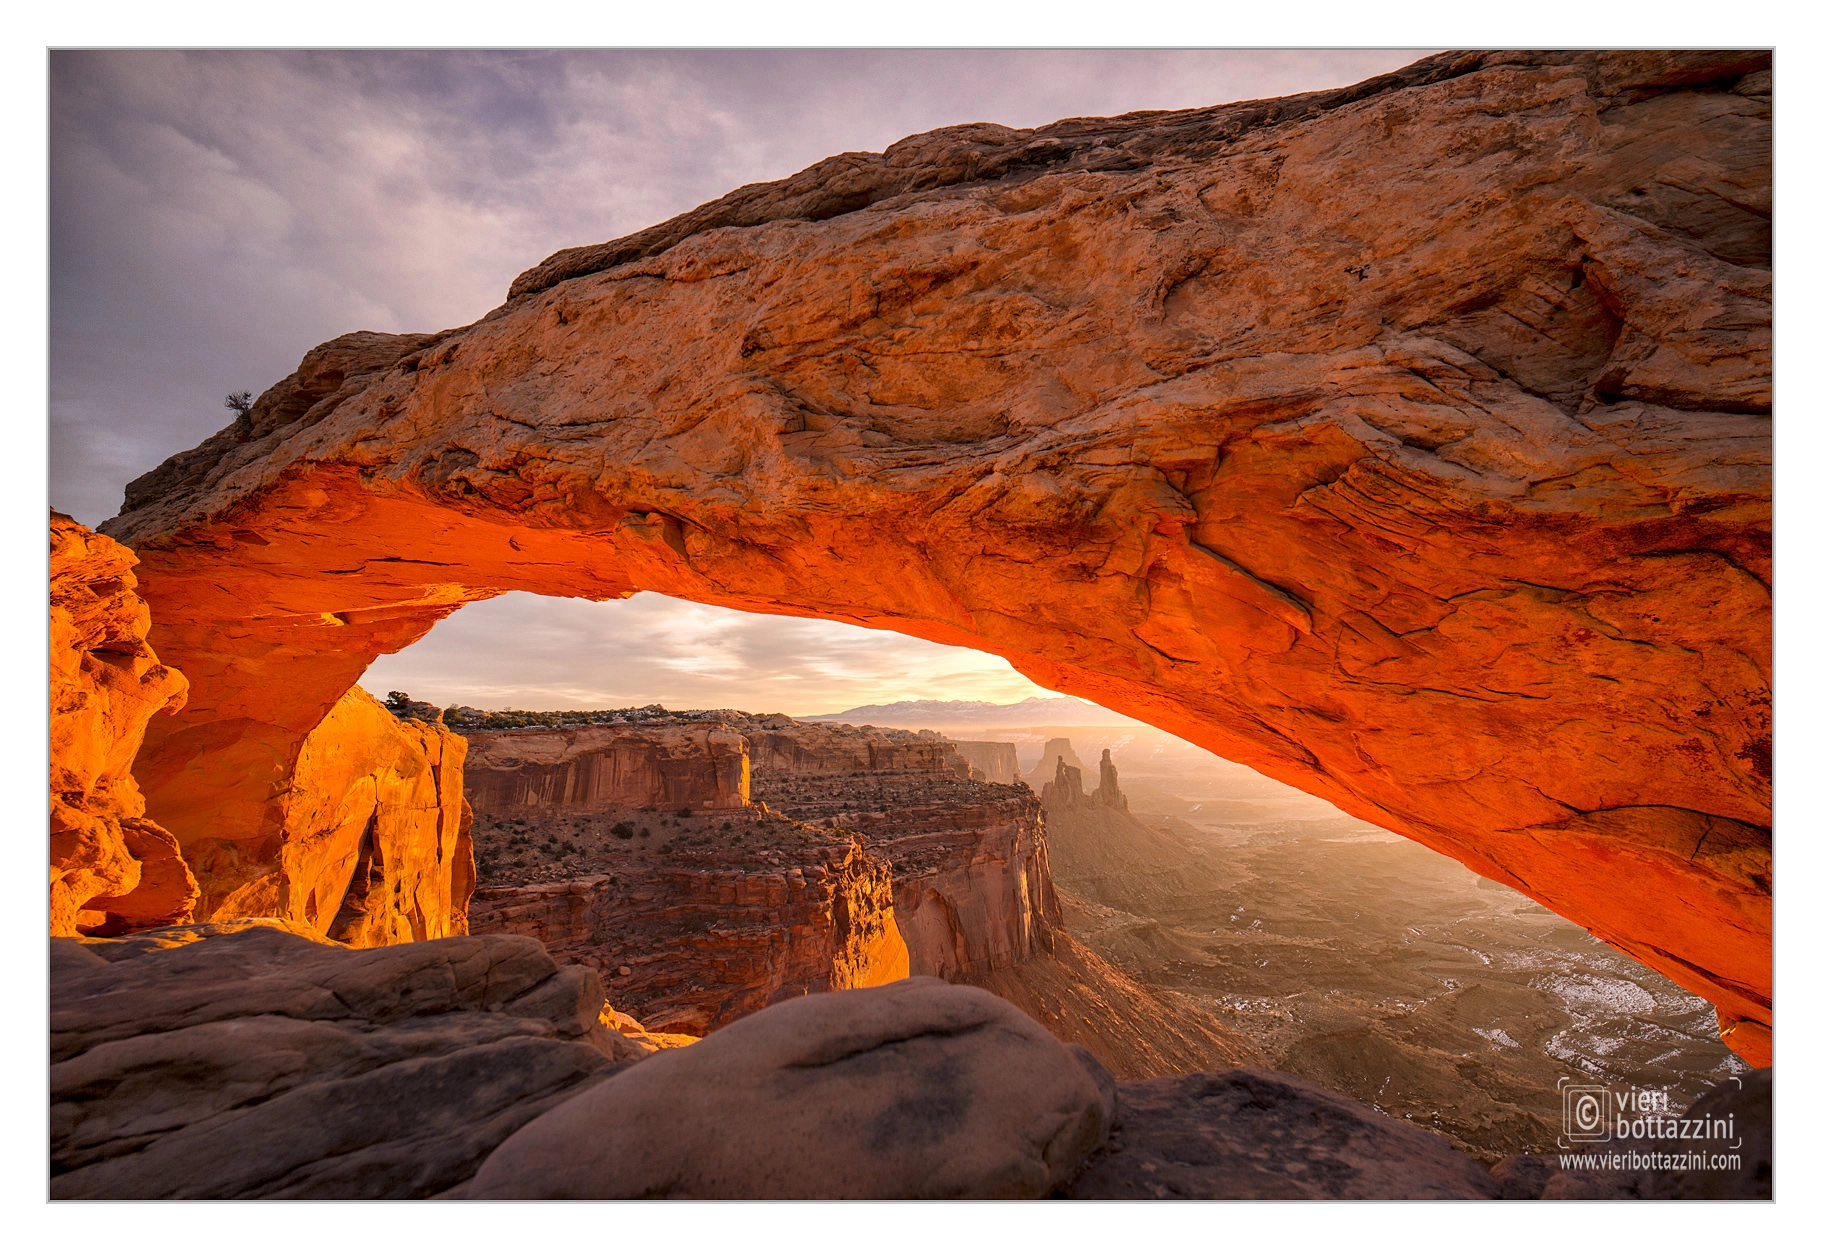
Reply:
x=911, y=713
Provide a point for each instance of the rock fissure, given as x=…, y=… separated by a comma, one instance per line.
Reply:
x=875, y=1046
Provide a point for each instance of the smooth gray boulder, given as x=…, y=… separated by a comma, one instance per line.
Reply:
x=916, y=1089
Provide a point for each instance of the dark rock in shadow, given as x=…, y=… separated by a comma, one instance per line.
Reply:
x=242, y=1061
x=1250, y=1134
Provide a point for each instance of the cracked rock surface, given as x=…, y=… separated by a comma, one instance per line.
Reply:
x=258, y=1060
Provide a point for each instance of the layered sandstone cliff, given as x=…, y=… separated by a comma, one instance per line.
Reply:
x=965, y=883
x=111, y=868
x=991, y=761
x=1407, y=442
x=781, y=745
x=696, y=936
x=600, y=767
x=970, y=878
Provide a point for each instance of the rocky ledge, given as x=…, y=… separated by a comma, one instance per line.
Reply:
x=260, y=1061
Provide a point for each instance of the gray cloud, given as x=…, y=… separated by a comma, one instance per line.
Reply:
x=216, y=214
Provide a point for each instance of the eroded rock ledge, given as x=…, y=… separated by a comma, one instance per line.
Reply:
x=1408, y=443
x=260, y=1060
x=477, y=1067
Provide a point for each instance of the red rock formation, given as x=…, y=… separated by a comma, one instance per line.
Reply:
x=1407, y=442
x=111, y=869
x=1065, y=790
x=598, y=767
x=369, y=843
x=970, y=878
x=1107, y=794
x=706, y=938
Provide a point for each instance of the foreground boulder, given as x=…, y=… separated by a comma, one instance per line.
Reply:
x=1409, y=442
x=1248, y=1134
x=912, y=1090
x=261, y=1061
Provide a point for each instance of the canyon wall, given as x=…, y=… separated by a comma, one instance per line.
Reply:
x=597, y=767
x=781, y=745
x=705, y=939
x=992, y=761
x=111, y=868
x=1408, y=442
x=967, y=889
x=971, y=884
x=970, y=876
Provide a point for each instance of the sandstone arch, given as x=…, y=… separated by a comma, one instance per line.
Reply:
x=1409, y=443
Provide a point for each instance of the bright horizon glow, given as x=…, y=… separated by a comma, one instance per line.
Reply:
x=549, y=654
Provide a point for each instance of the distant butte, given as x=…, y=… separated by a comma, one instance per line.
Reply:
x=1408, y=442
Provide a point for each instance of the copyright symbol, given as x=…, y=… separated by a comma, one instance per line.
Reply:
x=1587, y=1113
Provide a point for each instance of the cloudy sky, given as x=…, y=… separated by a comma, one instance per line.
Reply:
x=216, y=214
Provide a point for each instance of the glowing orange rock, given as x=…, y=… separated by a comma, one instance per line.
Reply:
x=707, y=942
x=110, y=867
x=374, y=846
x=1409, y=443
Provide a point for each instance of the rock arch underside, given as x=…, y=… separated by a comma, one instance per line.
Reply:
x=1409, y=443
